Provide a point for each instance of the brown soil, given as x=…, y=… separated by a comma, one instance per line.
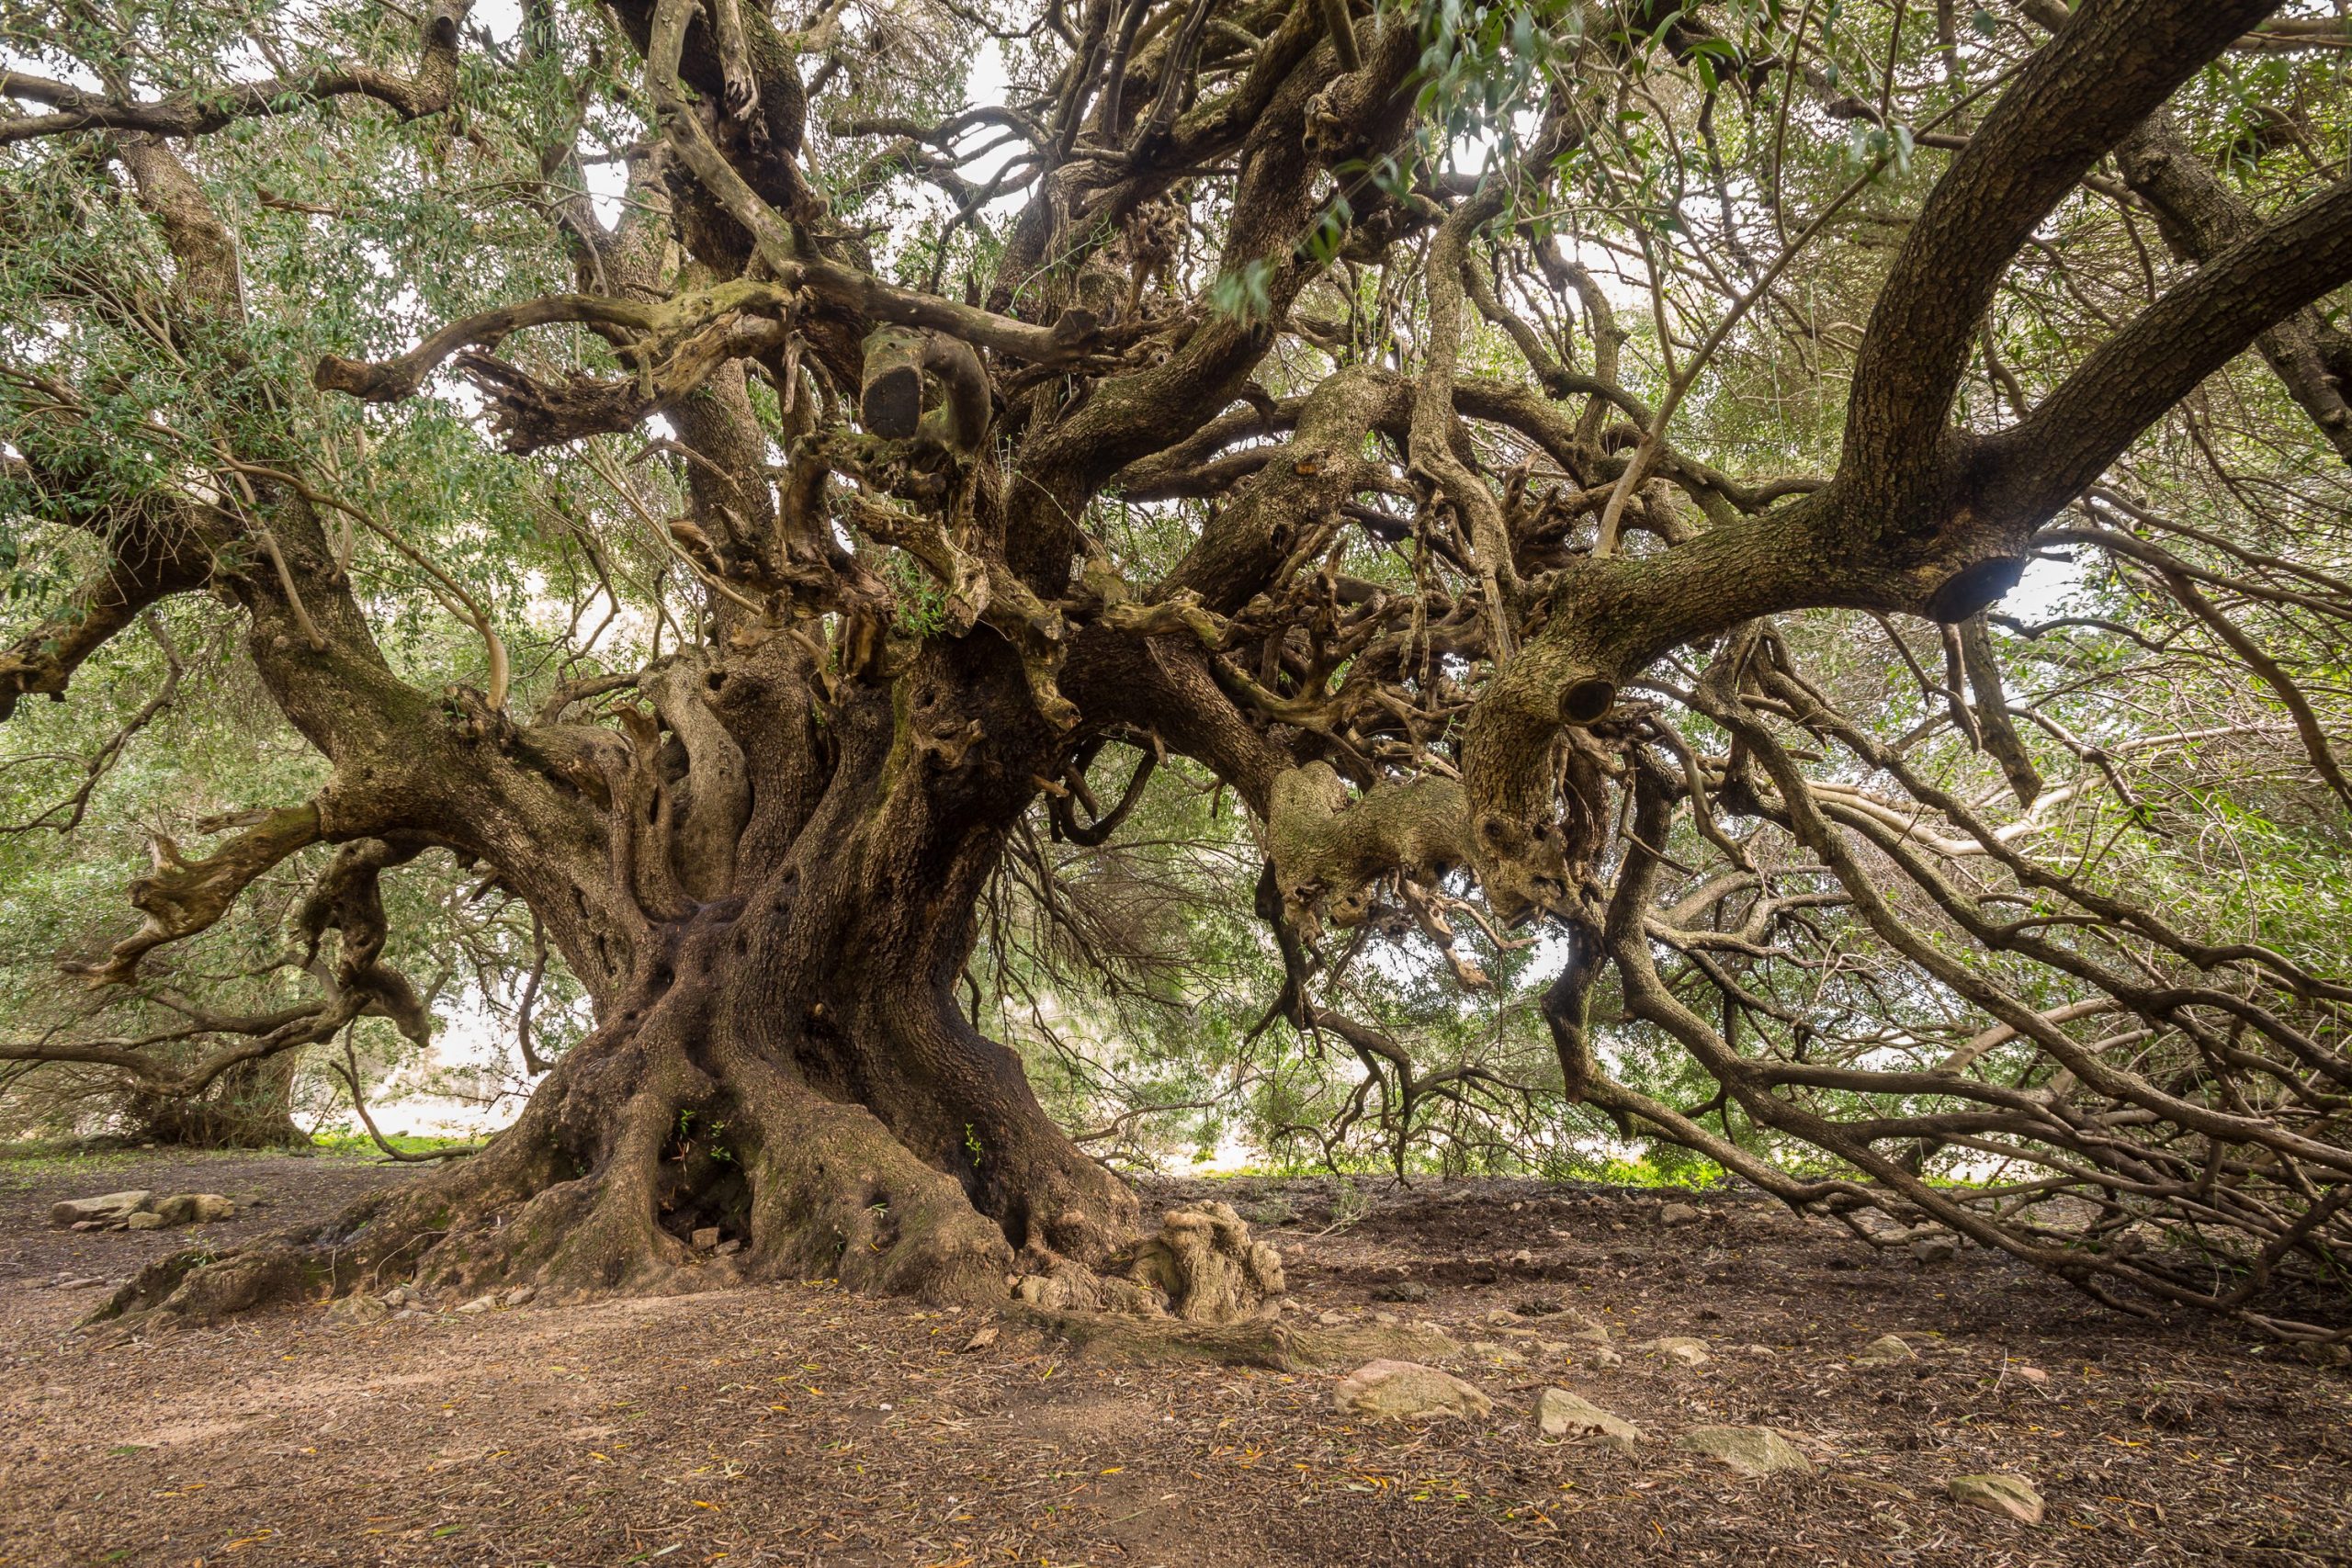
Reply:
x=800, y=1425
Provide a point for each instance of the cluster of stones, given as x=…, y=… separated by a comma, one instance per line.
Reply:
x=1407, y=1390
x=363, y=1308
x=140, y=1211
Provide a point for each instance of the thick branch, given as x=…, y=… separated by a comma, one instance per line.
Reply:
x=199, y=113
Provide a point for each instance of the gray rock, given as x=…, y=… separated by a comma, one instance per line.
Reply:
x=1602, y=1356
x=1407, y=1391
x=1751, y=1450
x=1502, y=1355
x=144, y=1221
x=1886, y=1350
x=104, y=1208
x=194, y=1208
x=1401, y=1291
x=2010, y=1495
x=1680, y=1347
x=1560, y=1414
x=478, y=1304
x=1675, y=1215
x=521, y=1295
x=358, y=1312
x=1586, y=1328
x=706, y=1238
x=1933, y=1249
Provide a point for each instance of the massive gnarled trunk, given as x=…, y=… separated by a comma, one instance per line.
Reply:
x=759, y=852
x=779, y=1056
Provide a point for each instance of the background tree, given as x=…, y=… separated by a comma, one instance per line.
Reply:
x=1557, y=466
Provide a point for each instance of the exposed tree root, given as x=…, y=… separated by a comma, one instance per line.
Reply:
x=604, y=1187
x=1282, y=1345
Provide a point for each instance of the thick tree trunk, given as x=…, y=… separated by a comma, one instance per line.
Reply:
x=786, y=1064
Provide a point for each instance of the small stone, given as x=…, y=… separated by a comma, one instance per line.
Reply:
x=1401, y=1291
x=2034, y=1375
x=731, y=1247
x=92, y=1224
x=105, y=1207
x=1522, y=1258
x=1404, y=1390
x=358, y=1312
x=478, y=1304
x=1886, y=1350
x=1675, y=1215
x=1331, y=1318
x=1933, y=1249
x=144, y=1223
x=1486, y=1349
x=981, y=1341
x=1602, y=1356
x=2010, y=1495
x=1751, y=1450
x=1386, y=1319
x=1682, y=1348
x=399, y=1296
x=706, y=1238
x=1502, y=1315
x=521, y=1295
x=1560, y=1414
x=193, y=1208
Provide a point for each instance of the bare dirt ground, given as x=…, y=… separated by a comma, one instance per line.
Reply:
x=803, y=1425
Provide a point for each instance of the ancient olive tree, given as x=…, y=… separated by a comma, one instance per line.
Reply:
x=1464, y=432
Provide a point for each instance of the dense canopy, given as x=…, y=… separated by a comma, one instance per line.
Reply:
x=1467, y=584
